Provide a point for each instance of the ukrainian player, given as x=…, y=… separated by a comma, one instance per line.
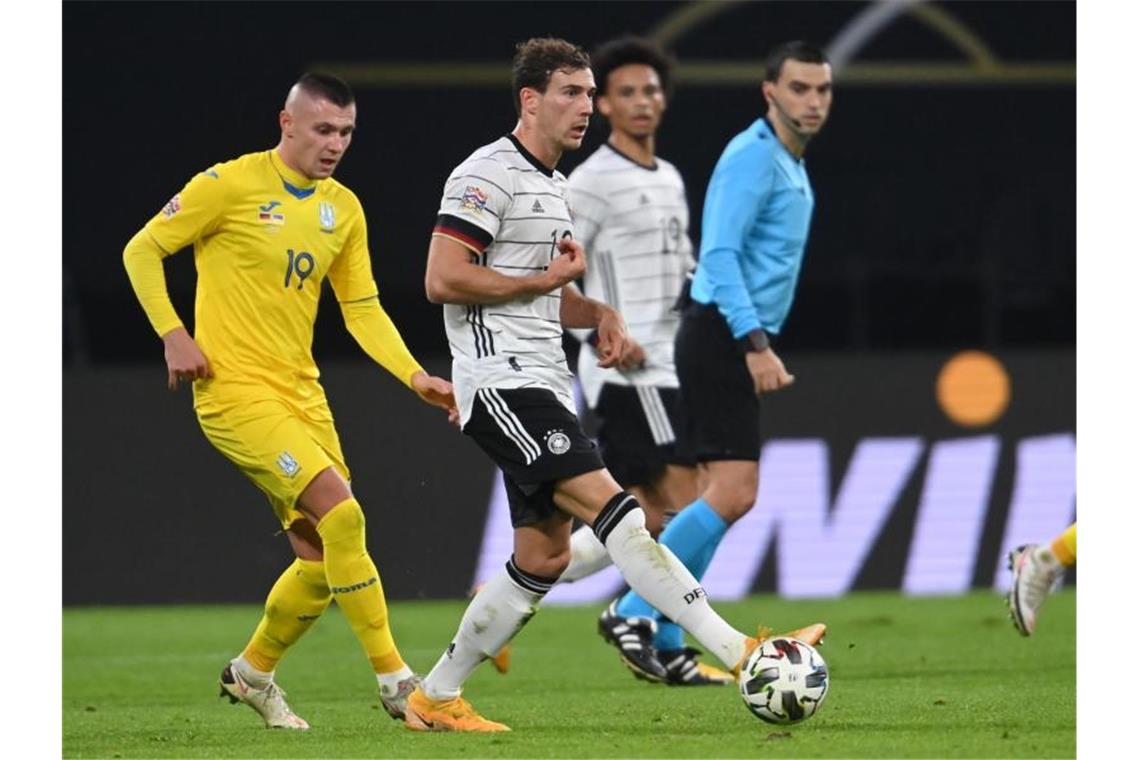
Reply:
x=267, y=229
x=631, y=213
x=1036, y=569
x=757, y=215
x=501, y=259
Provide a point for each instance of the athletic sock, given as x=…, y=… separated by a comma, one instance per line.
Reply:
x=253, y=676
x=693, y=536
x=587, y=556
x=1064, y=546
x=295, y=602
x=390, y=682
x=355, y=584
x=655, y=573
x=500, y=609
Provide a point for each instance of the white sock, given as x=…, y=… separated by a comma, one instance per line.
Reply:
x=661, y=579
x=390, y=682
x=587, y=556
x=258, y=679
x=1044, y=555
x=500, y=609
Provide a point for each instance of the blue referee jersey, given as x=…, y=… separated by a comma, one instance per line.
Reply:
x=753, y=232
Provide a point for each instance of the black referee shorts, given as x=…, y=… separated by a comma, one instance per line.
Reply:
x=642, y=429
x=535, y=441
x=717, y=387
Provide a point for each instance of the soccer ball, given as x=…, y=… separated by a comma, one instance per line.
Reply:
x=783, y=681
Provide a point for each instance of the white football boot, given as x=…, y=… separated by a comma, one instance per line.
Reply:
x=1035, y=572
x=269, y=702
x=395, y=701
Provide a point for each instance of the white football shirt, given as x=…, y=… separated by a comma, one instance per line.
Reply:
x=510, y=211
x=633, y=221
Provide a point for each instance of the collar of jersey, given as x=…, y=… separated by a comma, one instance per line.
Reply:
x=651, y=168
x=296, y=184
x=776, y=137
x=530, y=157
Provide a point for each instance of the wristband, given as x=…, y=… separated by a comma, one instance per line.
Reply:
x=755, y=341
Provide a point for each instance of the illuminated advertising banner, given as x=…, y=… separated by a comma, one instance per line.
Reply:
x=905, y=471
x=914, y=473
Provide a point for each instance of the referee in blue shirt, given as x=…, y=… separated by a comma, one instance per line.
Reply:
x=756, y=219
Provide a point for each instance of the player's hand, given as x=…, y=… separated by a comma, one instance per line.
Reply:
x=768, y=373
x=435, y=391
x=612, y=337
x=184, y=360
x=633, y=357
x=569, y=265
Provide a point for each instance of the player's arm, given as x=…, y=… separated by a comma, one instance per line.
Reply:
x=378, y=337
x=370, y=326
x=454, y=276
x=576, y=310
x=188, y=216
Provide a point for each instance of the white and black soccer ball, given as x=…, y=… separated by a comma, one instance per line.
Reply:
x=783, y=681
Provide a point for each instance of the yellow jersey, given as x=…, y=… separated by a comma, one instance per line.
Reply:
x=265, y=238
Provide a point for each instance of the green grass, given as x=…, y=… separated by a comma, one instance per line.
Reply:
x=929, y=677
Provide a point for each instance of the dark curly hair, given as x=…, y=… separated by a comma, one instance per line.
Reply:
x=626, y=50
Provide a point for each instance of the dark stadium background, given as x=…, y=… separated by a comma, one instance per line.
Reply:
x=945, y=220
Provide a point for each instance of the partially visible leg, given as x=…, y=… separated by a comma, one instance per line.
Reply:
x=355, y=582
x=295, y=602
x=1036, y=569
x=695, y=533
x=258, y=436
x=1064, y=546
x=649, y=568
x=504, y=604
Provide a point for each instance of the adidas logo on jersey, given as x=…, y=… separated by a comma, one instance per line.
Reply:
x=537, y=208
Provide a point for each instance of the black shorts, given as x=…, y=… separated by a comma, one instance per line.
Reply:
x=535, y=441
x=641, y=430
x=722, y=403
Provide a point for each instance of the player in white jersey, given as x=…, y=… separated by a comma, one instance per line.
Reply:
x=504, y=277
x=632, y=215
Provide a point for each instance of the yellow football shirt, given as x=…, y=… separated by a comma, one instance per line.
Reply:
x=265, y=238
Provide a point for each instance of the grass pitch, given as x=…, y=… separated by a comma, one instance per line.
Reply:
x=911, y=677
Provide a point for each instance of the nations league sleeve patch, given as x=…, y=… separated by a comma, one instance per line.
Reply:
x=172, y=207
x=474, y=199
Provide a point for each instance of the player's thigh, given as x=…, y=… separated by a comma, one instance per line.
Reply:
x=634, y=433
x=535, y=441
x=678, y=486
x=277, y=448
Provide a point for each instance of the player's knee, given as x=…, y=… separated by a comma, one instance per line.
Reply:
x=732, y=499
x=546, y=565
x=342, y=523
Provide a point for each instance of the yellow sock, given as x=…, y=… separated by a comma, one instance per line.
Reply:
x=295, y=602
x=1064, y=546
x=355, y=583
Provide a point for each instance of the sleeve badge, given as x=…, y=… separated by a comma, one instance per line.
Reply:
x=172, y=207
x=474, y=199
